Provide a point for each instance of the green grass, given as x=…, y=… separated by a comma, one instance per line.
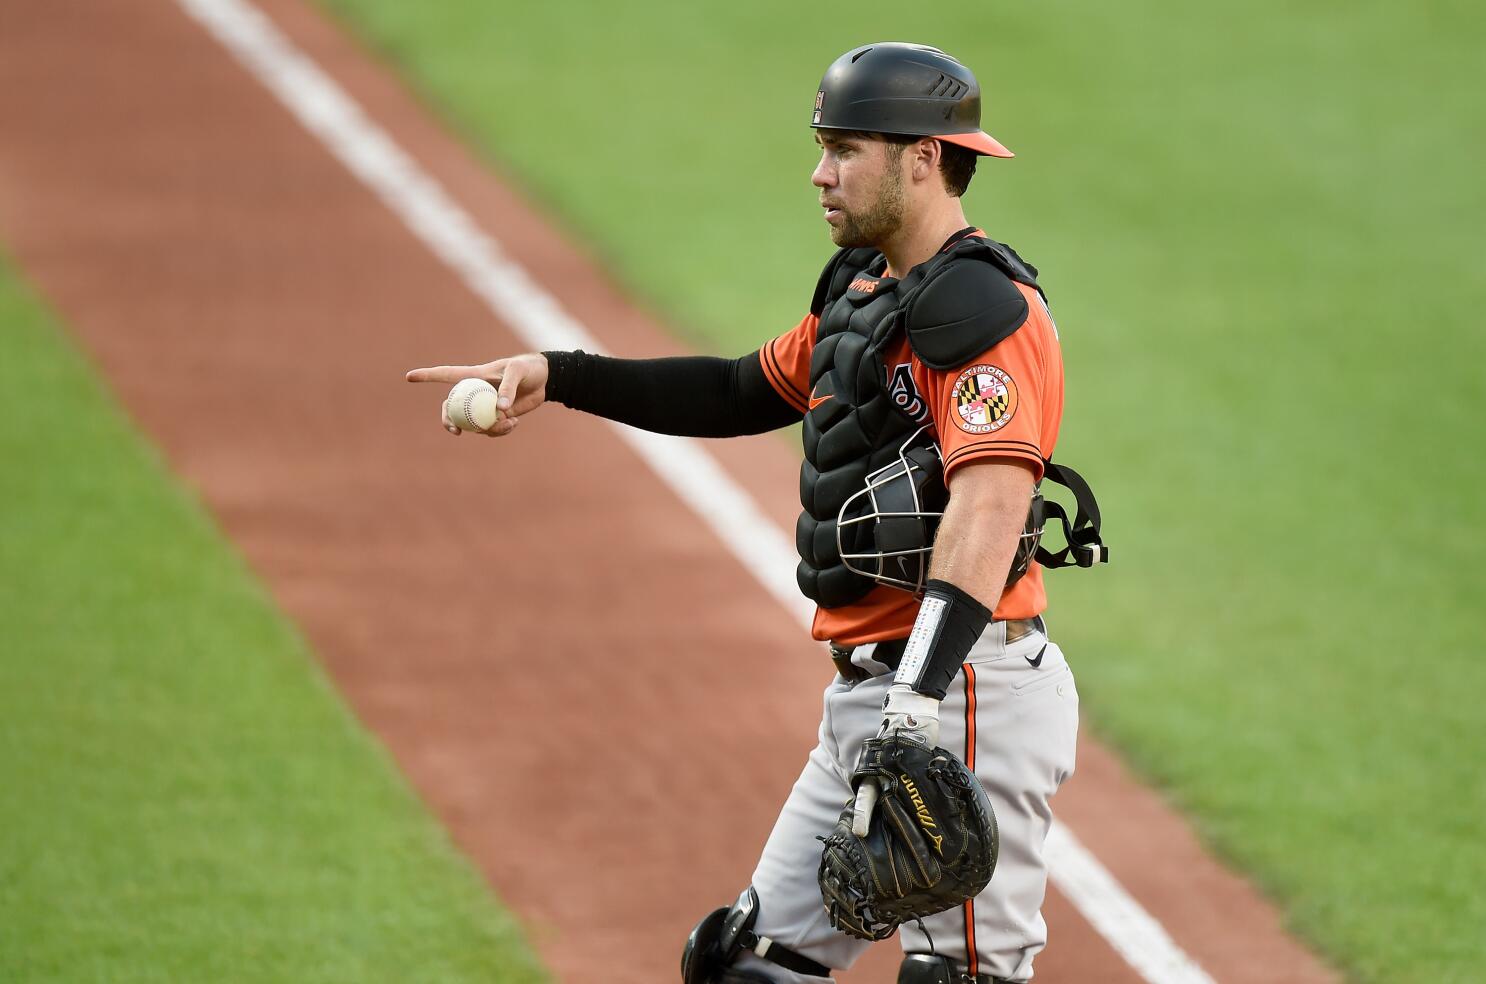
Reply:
x=1261, y=229
x=182, y=795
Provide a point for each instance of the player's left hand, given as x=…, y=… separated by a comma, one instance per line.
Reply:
x=910, y=714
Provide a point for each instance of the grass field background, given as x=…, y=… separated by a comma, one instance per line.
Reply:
x=1260, y=229
x=185, y=798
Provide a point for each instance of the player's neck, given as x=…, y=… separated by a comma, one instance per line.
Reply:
x=918, y=240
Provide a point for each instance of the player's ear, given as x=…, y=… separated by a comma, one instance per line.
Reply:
x=926, y=153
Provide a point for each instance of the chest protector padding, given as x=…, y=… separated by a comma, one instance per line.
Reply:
x=853, y=427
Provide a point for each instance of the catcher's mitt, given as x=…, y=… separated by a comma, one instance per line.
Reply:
x=931, y=844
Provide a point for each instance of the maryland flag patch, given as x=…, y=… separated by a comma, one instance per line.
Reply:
x=985, y=399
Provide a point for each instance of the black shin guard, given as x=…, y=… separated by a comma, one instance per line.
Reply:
x=725, y=933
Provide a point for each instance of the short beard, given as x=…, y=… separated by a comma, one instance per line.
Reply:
x=883, y=218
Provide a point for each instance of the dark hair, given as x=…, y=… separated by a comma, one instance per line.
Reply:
x=956, y=163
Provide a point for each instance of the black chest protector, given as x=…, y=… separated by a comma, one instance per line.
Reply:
x=952, y=307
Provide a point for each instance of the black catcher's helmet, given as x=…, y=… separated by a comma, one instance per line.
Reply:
x=909, y=89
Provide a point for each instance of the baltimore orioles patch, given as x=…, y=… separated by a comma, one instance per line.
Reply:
x=985, y=399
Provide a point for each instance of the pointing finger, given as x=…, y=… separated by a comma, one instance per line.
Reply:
x=443, y=374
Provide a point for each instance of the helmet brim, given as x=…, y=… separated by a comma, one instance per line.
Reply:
x=978, y=141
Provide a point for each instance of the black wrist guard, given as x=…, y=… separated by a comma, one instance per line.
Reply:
x=949, y=621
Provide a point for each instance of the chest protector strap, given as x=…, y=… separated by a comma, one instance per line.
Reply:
x=1083, y=546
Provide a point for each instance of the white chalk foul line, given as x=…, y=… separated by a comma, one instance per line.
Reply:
x=1133, y=932
x=693, y=474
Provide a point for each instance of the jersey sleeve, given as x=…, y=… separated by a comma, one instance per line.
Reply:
x=1002, y=403
x=786, y=362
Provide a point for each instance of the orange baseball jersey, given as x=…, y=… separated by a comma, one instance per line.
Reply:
x=1005, y=402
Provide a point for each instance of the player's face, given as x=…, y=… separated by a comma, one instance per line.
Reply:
x=861, y=187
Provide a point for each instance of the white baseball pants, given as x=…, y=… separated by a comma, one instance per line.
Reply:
x=1012, y=713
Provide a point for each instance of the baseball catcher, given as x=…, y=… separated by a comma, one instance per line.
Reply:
x=928, y=377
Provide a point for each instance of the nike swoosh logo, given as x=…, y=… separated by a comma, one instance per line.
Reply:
x=1038, y=661
x=816, y=401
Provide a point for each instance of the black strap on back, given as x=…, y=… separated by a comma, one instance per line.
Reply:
x=1083, y=546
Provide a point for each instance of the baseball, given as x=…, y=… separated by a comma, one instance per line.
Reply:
x=471, y=405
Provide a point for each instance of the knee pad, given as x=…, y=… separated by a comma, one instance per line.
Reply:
x=723, y=934
x=924, y=968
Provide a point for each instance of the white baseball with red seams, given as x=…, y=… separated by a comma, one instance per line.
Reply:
x=471, y=405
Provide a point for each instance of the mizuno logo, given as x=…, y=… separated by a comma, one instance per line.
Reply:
x=925, y=820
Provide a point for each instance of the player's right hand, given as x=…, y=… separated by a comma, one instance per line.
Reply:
x=906, y=713
x=520, y=380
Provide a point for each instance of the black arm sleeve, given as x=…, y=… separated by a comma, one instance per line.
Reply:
x=693, y=396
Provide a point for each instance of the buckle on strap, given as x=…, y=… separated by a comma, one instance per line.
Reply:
x=1085, y=547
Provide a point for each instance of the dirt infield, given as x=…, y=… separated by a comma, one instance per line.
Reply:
x=498, y=613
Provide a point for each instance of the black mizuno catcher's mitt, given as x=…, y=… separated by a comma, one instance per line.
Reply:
x=931, y=844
